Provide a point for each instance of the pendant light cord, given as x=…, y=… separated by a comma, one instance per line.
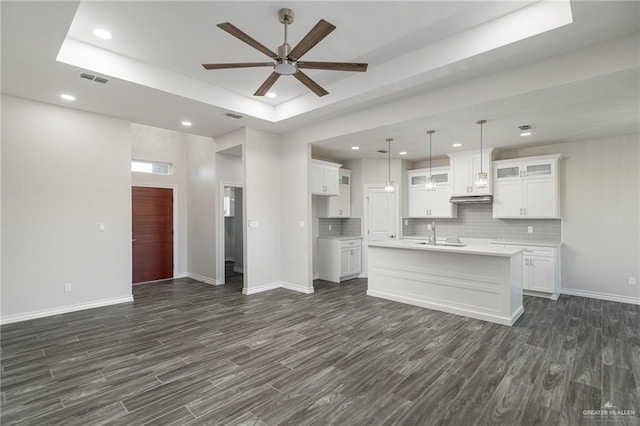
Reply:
x=430, y=156
x=389, y=151
x=481, y=123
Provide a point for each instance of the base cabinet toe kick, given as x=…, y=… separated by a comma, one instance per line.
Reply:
x=481, y=282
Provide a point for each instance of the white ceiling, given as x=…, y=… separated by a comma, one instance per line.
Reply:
x=413, y=48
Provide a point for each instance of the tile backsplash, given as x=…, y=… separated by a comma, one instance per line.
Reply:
x=340, y=227
x=476, y=221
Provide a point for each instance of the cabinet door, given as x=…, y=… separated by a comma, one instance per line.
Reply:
x=540, y=169
x=418, y=201
x=541, y=274
x=440, y=205
x=344, y=201
x=507, y=201
x=540, y=198
x=526, y=272
x=418, y=179
x=461, y=168
x=331, y=180
x=507, y=172
x=356, y=261
x=345, y=261
x=317, y=178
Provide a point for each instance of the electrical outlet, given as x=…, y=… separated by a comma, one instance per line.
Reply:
x=530, y=229
x=67, y=287
x=330, y=227
x=632, y=280
x=406, y=222
x=102, y=226
x=428, y=227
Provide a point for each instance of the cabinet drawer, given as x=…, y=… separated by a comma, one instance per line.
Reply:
x=539, y=251
x=350, y=243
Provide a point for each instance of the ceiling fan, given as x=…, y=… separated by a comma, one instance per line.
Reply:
x=286, y=61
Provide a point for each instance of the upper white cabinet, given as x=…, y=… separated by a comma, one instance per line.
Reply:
x=339, y=206
x=423, y=203
x=324, y=178
x=526, y=187
x=464, y=168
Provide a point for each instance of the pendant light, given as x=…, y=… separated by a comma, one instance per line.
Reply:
x=430, y=185
x=481, y=180
x=388, y=185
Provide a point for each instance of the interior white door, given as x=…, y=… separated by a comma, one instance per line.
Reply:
x=381, y=220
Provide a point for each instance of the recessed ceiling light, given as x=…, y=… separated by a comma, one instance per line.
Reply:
x=68, y=97
x=355, y=147
x=527, y=133
x=272, y=95
x=102, y=33
x=186, y=123
x=457, y=145
x=403, y=152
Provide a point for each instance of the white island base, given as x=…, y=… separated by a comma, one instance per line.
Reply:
x=480, y=282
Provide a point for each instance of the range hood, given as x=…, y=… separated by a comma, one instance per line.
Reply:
x=472, y=199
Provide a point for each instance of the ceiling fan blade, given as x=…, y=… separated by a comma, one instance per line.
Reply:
x=238, y=33
x=237, y=65
x=335, y=66
x=262, y=90
x=313, y=37
x=315, y=87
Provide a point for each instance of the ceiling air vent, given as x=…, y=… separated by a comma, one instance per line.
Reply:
x=382, y=151
x=525, y=127
x=92, y=77
x=232, y=115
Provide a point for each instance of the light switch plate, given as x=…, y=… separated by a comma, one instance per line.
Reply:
x=301, y=224
x=102, y=226
x=530, y=229
x=254, y=224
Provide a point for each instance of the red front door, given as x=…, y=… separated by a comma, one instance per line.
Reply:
x=152, y=233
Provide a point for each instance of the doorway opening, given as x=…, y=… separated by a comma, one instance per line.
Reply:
x=232, y=236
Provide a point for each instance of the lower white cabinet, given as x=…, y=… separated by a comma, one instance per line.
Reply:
x=339, y=259
x=540, y=270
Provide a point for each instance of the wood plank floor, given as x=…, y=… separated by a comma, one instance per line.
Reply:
x=190, y=353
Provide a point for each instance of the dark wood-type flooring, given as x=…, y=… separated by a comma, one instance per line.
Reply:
x=189, y=353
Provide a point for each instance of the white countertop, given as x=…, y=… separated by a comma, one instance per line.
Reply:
x=525, y=243
x=340, y=238
x=479, y=249
x=475, y=241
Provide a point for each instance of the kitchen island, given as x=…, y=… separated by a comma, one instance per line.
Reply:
x=475, y=280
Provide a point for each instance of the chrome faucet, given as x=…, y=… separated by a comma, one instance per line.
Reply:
x=431, y=239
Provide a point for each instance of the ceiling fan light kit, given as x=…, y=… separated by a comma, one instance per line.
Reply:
x=286, y=60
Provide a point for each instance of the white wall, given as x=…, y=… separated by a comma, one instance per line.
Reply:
x=168, y=146
x=600, y=206
x=63, y=173
x=263, y=205
x=201, y=207
x=295, y=204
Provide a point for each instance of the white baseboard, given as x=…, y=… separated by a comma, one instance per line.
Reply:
x=280, y=284
x=64, y=309
x=261, y=288
x=552, y=296
x=238, y=269
x=296, y=287
x=602, y=296
x=203, y=279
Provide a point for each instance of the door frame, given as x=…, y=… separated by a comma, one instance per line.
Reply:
x=220, y=257
x=365, y=221
x=176, y=245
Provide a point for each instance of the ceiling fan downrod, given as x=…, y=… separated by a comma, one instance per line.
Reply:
x=284, y=66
